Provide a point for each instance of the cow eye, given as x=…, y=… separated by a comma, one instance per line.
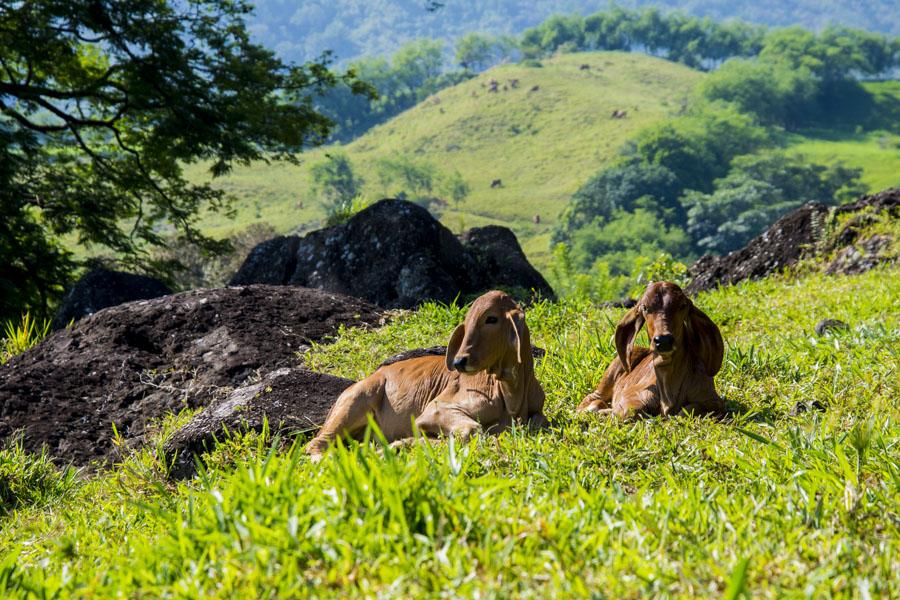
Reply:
x=490, y=320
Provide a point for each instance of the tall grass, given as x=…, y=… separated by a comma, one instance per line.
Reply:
x=21, y=336
x=770, y=502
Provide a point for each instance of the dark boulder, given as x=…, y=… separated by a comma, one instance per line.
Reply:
x=395, y=254
x=830, y=326
x=501, y=262
x=791, y=238
x=132, y=364
x=290, y=400
x=102, y=288
x=803, y=233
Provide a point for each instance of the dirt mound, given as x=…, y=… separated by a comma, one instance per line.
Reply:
x=102, y=288
x=291, y=400
x=131, y=364
x=395, y=254
x=803, y=233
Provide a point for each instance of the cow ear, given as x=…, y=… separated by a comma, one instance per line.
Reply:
x=517, y=332
x=453, y=345
x=626, y=332
x=704, y=340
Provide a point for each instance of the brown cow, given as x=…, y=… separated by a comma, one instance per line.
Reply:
x=485, y=382
x=676, y=374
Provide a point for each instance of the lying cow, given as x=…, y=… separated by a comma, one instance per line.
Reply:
x=485, y=382
x=675, y=374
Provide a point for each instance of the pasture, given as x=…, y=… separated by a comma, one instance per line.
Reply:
x=795, y=494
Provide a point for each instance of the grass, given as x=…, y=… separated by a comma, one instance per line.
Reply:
x=543, y=145
x=19, y=337
x=765, y=502
x=876, y=153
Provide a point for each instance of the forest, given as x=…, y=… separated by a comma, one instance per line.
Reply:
x=353, y=28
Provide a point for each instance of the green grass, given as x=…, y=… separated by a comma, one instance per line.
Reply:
x=877, y=153
x=542, y=144
x=19, y=337
x=766, y=502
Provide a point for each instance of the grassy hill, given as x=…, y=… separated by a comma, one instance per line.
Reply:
x=771, y=501
x=542, y=144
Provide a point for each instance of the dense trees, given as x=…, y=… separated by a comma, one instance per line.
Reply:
x=301, y=30
x=692, y=185
x=758, y=190
x=416, y=71
x=101, y=103
x=783, y=77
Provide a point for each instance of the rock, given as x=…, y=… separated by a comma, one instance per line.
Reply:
x=830, y=325
x=501, y=262
x=102, y=288
x=132, y=364
x=802, y=233
x=861, y=257
x=272, y=262
x=396, y=255
x=802, y=407
x=291, y=400
x=625, y=303
x=791, y=238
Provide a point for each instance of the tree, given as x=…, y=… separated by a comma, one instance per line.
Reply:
x=620, y=188
x=455, y=187
x=473, y=51
x=774, y=92
x=625, y=238
x=336, y=183
x=102, y=103
x=411, y=179
x=758, y=190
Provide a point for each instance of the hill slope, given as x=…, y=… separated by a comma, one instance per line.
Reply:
x=542, y=143
x=791, y=493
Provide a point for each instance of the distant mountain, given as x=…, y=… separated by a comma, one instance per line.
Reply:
x=352, y=28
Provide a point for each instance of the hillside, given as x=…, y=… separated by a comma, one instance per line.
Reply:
x=542, y=144
x=758, y=502
x=301, y=31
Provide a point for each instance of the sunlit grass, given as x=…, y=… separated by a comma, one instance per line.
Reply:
x=781, y=505
x=22, y=335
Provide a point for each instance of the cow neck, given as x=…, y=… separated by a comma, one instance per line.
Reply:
x=670, y=379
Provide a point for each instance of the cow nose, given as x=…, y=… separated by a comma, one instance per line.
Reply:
x=664, y=343
x=459, y=363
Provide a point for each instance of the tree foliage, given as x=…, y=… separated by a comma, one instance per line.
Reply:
x=336, y=183
x=101, y=103
x=300, y=30
x=757, y=191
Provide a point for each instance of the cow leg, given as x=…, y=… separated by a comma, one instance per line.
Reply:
x=350, y=413
x=440, y=419
x=636, y=401
x=601, y=398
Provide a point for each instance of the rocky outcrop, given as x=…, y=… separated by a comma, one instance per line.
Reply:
x=102, y=288
x=805, y=233
x=791, y=238
x=396, y=255
x=132, y=364
x=290, y=400
x=501, y=262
